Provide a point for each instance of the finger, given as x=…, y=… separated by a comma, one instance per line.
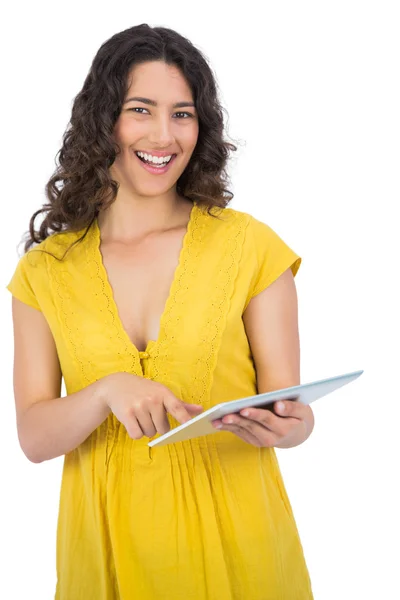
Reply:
x=232, y=418
x=160, y=419
x=145, y=422
x=263, y=418
x=193, y=409
x=262, y=415
x=133, y=428
x=177, y=409
x=244, y=434
x=290, y=408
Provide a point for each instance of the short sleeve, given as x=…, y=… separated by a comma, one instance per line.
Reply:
x=272, y=257
x=22, y=282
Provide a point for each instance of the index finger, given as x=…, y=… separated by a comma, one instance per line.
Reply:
x=177, y=409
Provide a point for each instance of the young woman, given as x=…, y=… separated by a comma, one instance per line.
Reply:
x=154, y=301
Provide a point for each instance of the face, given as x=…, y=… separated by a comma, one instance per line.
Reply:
x=158, y=120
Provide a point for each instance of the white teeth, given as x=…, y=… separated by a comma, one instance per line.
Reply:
x=157, y=160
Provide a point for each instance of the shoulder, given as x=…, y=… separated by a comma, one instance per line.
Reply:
x=35, y=269
x=228, y=214
x=256, y=232
x=242, y=218
x=257, y=239
x=54, y=246
x=227, y=220
x=34, y=264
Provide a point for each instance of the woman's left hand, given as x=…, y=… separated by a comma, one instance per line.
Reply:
x=289, y=424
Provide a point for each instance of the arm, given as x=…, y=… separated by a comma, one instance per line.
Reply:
x=48, y=426
x=271, y=323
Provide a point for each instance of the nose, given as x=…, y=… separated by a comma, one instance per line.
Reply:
x=161, y=133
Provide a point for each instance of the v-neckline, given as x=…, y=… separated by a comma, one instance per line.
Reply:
x=176, y=283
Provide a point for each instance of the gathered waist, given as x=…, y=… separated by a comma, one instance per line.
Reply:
x=110, y=443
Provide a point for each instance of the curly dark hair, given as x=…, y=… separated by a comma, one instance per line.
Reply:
x=81, y=185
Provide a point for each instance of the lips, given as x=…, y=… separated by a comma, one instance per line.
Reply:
x=156, y=153
x=150, y=162
x=156, y=169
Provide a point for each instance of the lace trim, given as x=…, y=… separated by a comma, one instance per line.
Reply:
x=86, y=268
x=182, y=283
x=198, y=247
x=63, y=283
x=214, y=326
x=65, y=314
x=103, y=293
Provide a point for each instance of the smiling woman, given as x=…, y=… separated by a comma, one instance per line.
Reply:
x=141, y=284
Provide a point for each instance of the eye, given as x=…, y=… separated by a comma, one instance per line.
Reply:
x=138, y=108
x=184, y=113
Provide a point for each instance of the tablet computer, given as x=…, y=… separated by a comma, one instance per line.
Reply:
x=202, y=424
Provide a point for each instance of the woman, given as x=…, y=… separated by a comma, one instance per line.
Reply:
x=154, y=301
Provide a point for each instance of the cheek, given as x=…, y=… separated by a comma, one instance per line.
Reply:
x=190, y=136
x=127, y=131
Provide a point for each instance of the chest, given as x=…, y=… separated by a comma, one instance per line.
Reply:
x=108, y=301
x=141, y=276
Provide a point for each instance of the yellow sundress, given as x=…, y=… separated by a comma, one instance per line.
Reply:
x=204, y=519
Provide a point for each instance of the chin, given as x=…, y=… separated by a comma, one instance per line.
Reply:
x=152, y=190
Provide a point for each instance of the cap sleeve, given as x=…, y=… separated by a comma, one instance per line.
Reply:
x=22, y=282
x=272, y=256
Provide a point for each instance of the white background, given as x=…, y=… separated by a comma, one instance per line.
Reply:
x=312, y=91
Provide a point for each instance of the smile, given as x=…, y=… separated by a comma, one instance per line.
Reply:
x=154, y=164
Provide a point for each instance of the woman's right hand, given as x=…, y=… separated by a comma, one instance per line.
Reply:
x=141, y=404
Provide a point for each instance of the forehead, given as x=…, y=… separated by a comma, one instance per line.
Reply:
x=156, y=79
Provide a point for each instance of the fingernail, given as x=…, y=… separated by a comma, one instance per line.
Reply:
x=281, y=407
x=245, y=413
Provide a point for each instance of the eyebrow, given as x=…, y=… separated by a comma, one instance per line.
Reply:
x=154, y=103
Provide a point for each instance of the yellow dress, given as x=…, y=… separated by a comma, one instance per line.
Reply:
x=204, y=519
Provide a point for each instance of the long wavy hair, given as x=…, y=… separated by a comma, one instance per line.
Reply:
x=81, y=185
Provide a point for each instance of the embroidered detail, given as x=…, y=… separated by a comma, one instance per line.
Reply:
x=64, y=286
x=185, y=275
x=212, y=307
x=210, y=341
x=103, y=293
x=61, y=279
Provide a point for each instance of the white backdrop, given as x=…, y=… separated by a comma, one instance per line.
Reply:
x=311, y=89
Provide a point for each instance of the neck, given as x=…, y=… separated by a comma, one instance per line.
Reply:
x=130, y=217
